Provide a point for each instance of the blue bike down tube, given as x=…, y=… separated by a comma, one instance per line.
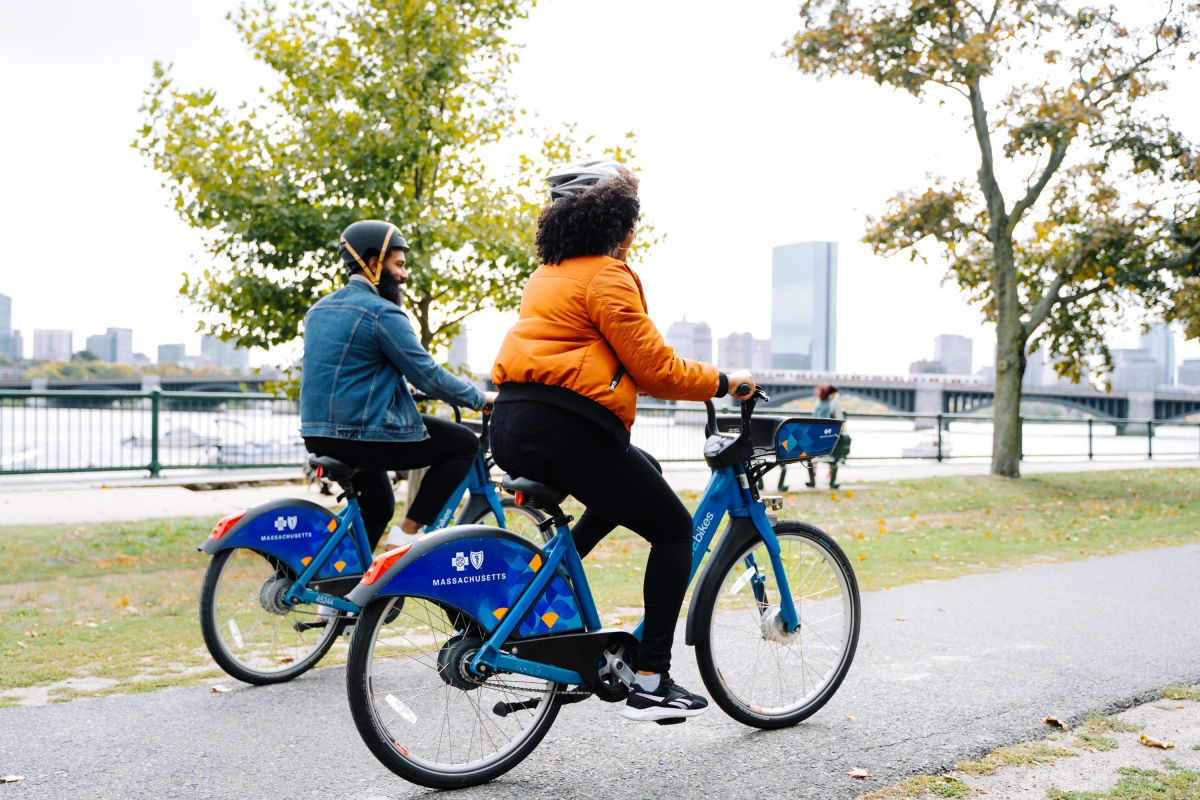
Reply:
x=787, y=608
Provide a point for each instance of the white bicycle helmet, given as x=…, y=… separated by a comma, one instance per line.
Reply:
x=581, y=175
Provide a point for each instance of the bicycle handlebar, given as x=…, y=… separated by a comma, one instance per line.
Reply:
x=421, y=397
x=710, y=425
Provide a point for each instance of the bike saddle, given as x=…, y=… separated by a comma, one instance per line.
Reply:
x=331, y=468
x=540, y=493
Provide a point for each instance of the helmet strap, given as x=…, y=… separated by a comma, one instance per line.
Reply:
x=372, y=277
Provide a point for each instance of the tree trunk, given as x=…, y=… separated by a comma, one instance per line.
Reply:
x=1010, y=368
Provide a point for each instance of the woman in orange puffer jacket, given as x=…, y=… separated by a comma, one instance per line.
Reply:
x=569, y=373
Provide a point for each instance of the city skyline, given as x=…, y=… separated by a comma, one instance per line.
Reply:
x=804, y=306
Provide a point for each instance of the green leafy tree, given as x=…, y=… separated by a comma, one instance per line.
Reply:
x=384, y=110
x=1105, y=224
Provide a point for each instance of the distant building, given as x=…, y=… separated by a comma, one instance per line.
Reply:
x=114, y=346
x=691, y=340
x=1160, y=342
x=142, y=360
x=171, y=353
x=804, y=306
x=224, y=355
x=10, y=340
x=743, y=351
x=52, y=345
x=1134, y=371
x=1189, y=372
x=955, y=353
x=924, y=367
x=457, y=357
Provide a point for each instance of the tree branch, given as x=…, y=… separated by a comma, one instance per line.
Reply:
x=987, y=167
x=1046, y=304
x=1034, y=192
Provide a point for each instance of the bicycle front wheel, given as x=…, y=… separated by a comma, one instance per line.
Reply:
x=521, y=520
x=250, y=631
x=756, y=671
x=423, y=714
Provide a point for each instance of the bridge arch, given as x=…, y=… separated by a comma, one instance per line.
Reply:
x=894, y=399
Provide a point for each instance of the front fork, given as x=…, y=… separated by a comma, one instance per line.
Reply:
x=787, y=608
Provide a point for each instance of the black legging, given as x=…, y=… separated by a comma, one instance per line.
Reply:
x=449, y=453
x=619, y=485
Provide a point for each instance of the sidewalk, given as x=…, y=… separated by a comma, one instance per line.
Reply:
x=46, y=500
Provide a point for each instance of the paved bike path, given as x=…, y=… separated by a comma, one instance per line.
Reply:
x=939, y=686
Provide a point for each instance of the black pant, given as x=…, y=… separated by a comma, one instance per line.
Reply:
x=619, y=485
x=449, y=453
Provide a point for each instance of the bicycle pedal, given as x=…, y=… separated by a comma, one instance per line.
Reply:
x=670, y=721
x=301, y=627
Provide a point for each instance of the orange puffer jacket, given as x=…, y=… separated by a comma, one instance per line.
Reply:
x=584, y=327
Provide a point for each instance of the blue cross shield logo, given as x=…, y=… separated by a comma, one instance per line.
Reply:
x=459, y=562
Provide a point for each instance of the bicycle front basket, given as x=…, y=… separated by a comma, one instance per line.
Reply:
x=798, y=439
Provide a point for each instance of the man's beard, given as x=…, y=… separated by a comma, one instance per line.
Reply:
x=390, y=288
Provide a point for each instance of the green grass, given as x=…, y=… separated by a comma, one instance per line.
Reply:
x=1142, y=784
x=1097, y=724
x=1021, y=755
x=138, y=582
x=918, y=785
x=1182, y=693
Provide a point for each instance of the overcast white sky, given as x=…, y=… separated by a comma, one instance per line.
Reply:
x=739, y=153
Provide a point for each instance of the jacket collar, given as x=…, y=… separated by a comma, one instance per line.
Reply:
x=364, y=281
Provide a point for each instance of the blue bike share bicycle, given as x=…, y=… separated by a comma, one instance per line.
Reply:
x=272, y=602
x=472, y=638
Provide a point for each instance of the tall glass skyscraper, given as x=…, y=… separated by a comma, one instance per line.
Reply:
x=804, y=306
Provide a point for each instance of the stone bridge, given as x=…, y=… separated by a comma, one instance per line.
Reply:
x=961, y=394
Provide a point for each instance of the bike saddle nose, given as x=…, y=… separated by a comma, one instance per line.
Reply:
x=540, y=493
x=331, y=468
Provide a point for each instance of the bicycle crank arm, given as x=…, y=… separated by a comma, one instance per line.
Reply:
x=504, y=709
x=301, y=627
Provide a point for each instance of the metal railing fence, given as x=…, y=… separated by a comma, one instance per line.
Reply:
x=676, y=433
x=76, y=431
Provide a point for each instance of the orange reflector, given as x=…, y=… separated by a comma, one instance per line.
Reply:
x=382, y=562
x=225, y=524
x=320, y=472
x=519, y=498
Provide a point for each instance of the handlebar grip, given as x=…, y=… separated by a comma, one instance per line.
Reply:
x=744, y=389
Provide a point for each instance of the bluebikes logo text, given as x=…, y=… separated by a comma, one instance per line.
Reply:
x=701, y=530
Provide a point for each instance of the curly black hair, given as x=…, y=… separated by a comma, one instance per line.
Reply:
x=591, y=223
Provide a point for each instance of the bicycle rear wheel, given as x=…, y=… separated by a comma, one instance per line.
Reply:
x=521, y=520
x=422, y=714
x=248, y=629
x=756, y=672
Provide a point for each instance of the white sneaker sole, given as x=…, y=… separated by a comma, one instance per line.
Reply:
x=657, y=713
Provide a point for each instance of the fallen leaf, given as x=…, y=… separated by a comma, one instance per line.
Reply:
x=12, y=778
x=859, y=773
x=1103, y=517
x=862, y=557
x=850, y=718
x=912, y=516
x=933, y=556
x=221, y=689
x=286, y=659
x=1056, y=721
x=21, y=645
x=899, y=619
x=91, y=625
x=941, y=609
x=77, y=623
x=32, y=633
x=849, y=494
x=1150, y=741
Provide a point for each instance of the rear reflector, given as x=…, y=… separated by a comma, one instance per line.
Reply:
x=225, y=524
x=519, y=498
x=382, y=562
x=320, y=472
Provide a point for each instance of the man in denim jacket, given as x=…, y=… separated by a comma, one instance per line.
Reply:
x=360, y=354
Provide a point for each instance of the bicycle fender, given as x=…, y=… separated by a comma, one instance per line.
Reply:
x=293, y=530
x=481, y=571
x=738, y=533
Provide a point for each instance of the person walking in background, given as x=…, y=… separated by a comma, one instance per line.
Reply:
x=829, y=407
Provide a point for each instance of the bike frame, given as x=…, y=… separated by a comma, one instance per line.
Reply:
x=350, y=523
x=728, y=492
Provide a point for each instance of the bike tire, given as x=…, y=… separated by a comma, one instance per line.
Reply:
x=521, y=520
x=372, y=719
x=265, y=665
x=733, y=625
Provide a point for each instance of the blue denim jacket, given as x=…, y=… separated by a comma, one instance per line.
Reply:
x=358, y=350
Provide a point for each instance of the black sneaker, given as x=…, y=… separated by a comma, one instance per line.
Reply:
x=668, y=701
